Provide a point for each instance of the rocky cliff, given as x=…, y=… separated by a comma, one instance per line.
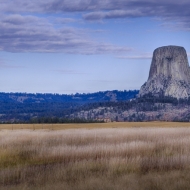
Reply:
x=169, y=73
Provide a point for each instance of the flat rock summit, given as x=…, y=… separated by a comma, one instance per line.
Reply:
x=169, y=73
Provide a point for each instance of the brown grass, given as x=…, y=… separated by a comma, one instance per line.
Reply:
x=96, y=159
x=93, y=125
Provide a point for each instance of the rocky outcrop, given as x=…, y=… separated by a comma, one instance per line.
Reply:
x=169, y=73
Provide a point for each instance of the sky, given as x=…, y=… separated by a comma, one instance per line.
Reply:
x=85, y=46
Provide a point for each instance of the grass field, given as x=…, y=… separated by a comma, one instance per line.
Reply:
x=115, y=156
x=93, y=125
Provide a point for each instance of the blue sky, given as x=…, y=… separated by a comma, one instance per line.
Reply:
x=62, y=46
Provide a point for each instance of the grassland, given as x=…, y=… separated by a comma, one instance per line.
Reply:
x=93, y=125
x=118, y=157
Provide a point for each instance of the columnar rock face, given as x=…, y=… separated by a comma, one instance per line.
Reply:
x=169, y=73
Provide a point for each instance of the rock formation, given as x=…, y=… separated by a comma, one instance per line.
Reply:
x=169, y=73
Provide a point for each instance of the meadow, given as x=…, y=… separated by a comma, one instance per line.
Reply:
x=93, y=125
x=114, y=156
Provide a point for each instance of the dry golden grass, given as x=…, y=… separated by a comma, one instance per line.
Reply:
x=93, y=125
x=97, y=159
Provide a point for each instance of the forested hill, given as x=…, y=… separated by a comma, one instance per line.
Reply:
x=106, y=96
x=23, y=106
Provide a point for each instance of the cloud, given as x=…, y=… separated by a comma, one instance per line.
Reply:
x=167, y=10
x=34, y=34
x=65, y=20
x=135, y=57
x=48, y=6
x=17, y=19
x=70, y=72
x=113, y=14
x=146, y=56
x=103, y=81
x=173, y=14
x=32, y=26
x=7, y=66
x=143, y=56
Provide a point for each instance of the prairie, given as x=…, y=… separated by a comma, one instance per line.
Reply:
x=118, y=158
x=93, y=125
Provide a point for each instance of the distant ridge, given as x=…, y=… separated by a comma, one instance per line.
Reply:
x=16, y=107
x=102, y=96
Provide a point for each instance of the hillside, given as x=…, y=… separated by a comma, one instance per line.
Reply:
x=140, y=109
x=108, y=106
x=105, y=96
x=23, y=106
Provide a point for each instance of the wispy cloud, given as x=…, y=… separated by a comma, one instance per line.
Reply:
x=65, y=20
x=145, y=56
x=33, y=34
x=7, y=66
x=113, y=14
x=70, y=72
x=21, y=31
x=102, y=81
x=135, y=57
x=109, y=9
